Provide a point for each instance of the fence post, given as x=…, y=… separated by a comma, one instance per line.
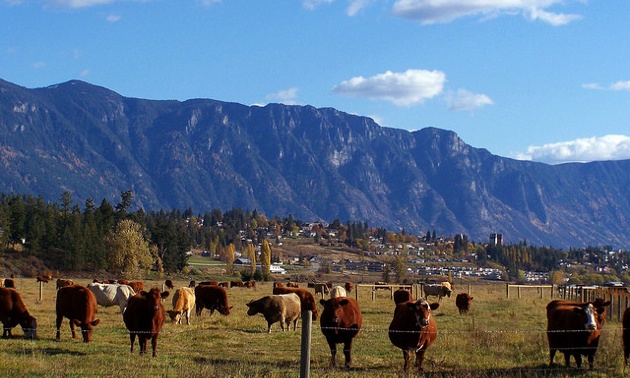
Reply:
x=41, y=292
x=305, y=356
x=507, y=291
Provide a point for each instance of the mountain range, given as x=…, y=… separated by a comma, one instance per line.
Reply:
x=317, y=164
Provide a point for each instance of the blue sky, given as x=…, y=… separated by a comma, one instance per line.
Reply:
x=543, y=80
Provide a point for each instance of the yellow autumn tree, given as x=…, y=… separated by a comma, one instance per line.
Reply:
x=128, y=250
x=265, y=258
x=229, y=259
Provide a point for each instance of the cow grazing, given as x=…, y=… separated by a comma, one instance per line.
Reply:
x=212, y=283
x=337, y=291
x=61, y=282
x=108, y=295
x=277, y=284
x=224, y=284
x=574, y=329
x=307, y=301
x=78, y=304
x=321, y=288
x=183, y=303
x=402, y=295
x=14, y=312
x=145, y=317
x=436, y=290
x=463, y=301
x=122, y=281
x=169, y=284
x=249, y=284
x=192, y=284
x=293, y=284
x=213, y=298
x=236, y=284
x=340, y=323
x=283, y=308
x=413, y=329
x=44, y=278
x=9, y=283
x=625, y=337
x=348, y=286
x=137, y=286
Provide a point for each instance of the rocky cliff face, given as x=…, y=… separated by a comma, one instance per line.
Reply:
x=317, y=164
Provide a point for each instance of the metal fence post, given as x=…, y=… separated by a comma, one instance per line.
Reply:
x=305, y=356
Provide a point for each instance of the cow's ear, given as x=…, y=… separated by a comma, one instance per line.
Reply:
x=165, y=294
x=249, y=304
x=344, y=302
x=471, y=298
x=95, y=322
x=76, y=322
x=322, y=302
x=434, y=306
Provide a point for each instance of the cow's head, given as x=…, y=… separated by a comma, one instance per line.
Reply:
x=29, y=327
x=422, y=312
x=154, y=297
x=333, y=311
x=174, y=315
x=252, y=308
x=86, y=328
x=593, y=314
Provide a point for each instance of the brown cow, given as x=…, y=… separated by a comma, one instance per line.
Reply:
x=213, y=298
x=293, y=284
x=625, y=322
x=321, y=288
x=224, y=284
x=213, y=283
x=574, y=329
x=78, y=304
x=307, y=301
x=340, y=323
x=144, y=317
x=413, y=329
x=283, y=308
x=169, y=284
x=236, y=284
x=463, y=301
x=44, y=278
x=137, y=286
x=62, y=282
x=192, y=284
x=123, y=281
x=14, y=312
x=402, y=295
x=9, y=283
x=250, y=284
x=348, y=286
x=277, y=284
x=183, y=303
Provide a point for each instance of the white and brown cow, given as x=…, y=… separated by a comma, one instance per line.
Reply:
x=183, y=303
x=337, y=291
x=283, y=308
x=108, y=295
x=574, y=328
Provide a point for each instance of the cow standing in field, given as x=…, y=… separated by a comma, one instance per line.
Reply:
x=348, y=286
x=574, y=329
x=14, y=312
x=340, y=322
x=108, y=295
x=78, y=304
x=413, y=329
x=321, y=288
x=169, y=284
x=183, y=303
x=137, y=286
x=283, y=308
x=44, y=278
x=62, y=282
x=337, y=291
x=307, y=301
x=213, y=298
x=145, y=317
x=9, y=283
x=436, y=290
x=463, y=301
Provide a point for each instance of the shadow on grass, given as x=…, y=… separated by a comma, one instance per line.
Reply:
x=530, y=372
x=59, y=351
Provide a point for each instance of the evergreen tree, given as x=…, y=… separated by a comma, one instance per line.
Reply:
x=265, y=259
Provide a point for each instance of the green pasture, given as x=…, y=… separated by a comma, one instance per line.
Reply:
x=499, y=338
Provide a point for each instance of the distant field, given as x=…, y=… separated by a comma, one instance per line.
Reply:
x=501, y=337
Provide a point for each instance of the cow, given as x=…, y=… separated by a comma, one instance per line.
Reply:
x=122, y=281
x=137, y=286
x=44, y=278
x=9, y=283
x=1, y=281
x=78, y=304
x=224, y=284
x=321, y=288
x=183, y=303
x=108, y=295
x=348, y=286
x=169, y=284
x=61, y=282
x=307, y=301
x=250, y=284
x=340, y=322
x=436, y=290
x=14, y=312
x=192, y=284
x=278, y=284
x=574, y=329
x=283, y=308
x=212, y=283
x=293, y=284
x=413, y=329
x=625, y=322
x=463, y=301
x=145, y=317
x=337, y=291
x=402, y=295
x=236, y=284
x=213, y=298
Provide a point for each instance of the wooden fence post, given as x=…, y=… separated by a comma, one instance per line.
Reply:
x=41, y=292
x=305, y=356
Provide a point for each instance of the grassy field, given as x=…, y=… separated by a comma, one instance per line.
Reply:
x=499, y=338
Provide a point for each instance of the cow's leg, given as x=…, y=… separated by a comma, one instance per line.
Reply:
x=58, y=323
x=154, y=345
x=295, y=324
x=567, y=359
x=552, y=354
x=420, y=358
x=72, y=330
x=333, y=353
x=132, y=338
x=347, y=352
x=142, y=340
x=590, y=359
x=578, y=360
x=407, y=357
x=268, y=327
x=6, y=332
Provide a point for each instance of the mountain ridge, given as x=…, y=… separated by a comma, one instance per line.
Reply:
x=317, y=164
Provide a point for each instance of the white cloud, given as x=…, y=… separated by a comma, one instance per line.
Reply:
x=39, y=64
x=113, y=18
x=400, y=88
x=608, y=147
x=466, y=100
x=78, y=3
x=618, y=86
x=286, y=96
x=356, y=6
x=442, y=11
x=312, y=4
x=84, y=73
